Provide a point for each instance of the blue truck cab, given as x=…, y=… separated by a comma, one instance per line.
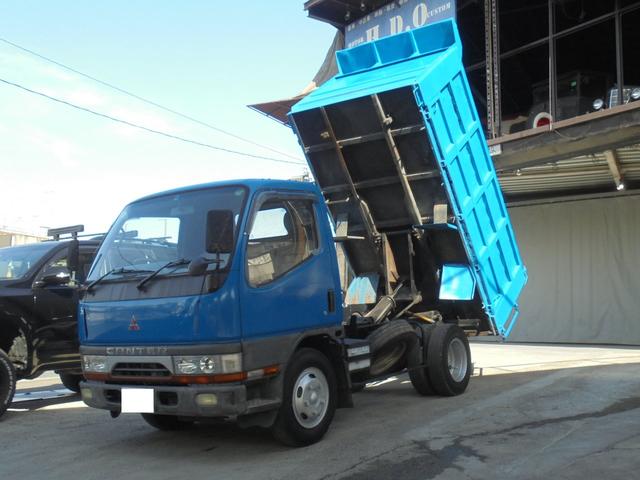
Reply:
x=270, y=302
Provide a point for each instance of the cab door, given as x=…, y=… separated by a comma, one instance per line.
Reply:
x=55, y=308
x=291, y=282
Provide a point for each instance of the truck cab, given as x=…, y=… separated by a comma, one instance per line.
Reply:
x=246, y=274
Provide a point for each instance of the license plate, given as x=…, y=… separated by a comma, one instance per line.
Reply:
x=137, y=400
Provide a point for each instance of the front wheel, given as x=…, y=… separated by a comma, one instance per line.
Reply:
x=71, y=381
x=7, y=382
x=309, y=399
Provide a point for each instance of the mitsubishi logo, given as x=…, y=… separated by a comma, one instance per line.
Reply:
x=133, y=326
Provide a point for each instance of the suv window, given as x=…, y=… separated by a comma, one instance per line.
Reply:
x=282, y=236
x=15, y=262
x=56, y=266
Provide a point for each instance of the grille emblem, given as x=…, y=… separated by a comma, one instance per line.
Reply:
x=133, y=326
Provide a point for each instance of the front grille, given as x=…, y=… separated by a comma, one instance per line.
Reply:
x=140, y=370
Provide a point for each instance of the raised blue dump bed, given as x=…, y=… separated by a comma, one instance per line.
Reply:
x=395, y=142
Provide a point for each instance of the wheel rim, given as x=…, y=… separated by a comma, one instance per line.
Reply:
x=310, y=397
x=18, y=353
x=457, y=360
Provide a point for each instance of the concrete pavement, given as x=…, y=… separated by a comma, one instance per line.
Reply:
x=530, y=412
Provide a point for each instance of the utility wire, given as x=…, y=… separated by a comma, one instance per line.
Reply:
x=147, y=129
x=145, y=100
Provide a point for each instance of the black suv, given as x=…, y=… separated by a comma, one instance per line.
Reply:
x=39, y=286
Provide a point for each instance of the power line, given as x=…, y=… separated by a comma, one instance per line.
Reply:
x=147, y=129
x=145, y=100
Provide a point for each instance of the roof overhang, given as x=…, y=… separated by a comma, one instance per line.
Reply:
x=339, y=13
x=277, y=109
x=596, y=152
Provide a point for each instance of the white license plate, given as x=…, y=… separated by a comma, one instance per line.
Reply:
x=137, y=400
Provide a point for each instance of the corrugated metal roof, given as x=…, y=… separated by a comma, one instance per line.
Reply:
x=582, y=172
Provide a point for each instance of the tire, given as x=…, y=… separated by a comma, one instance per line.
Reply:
x=418, y=356
x=448, y=360
x=389, y=345
x=7, y=382
x=71, y=381
x=298, y=422
x=166, y=422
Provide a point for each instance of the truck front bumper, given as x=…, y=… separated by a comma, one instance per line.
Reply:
x=231, y=400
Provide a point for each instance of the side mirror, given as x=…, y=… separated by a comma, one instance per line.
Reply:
x=219, y=236
x=53, y=279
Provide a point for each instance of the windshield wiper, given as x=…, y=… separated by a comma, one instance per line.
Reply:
x=173, y=263
x=112, y=272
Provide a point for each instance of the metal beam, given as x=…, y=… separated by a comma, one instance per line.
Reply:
x=553, y=84
x=492, y=55
x=380, y=182
x=614, y=167
x=370, y=137
x=372, y=233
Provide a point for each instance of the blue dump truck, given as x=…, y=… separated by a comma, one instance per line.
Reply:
x=270, y=302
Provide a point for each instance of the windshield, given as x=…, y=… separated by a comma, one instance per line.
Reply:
x=150, y=233
x=15, y=262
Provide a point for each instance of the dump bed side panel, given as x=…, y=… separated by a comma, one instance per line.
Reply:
x=475, y=196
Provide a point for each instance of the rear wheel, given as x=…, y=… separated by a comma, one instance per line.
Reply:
x=419, y=375
x=7, y=382
x=71, y=381
x=309, y=399
x=166, y=422
x=449, y=360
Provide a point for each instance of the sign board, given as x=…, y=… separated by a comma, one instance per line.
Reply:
x=396, y=17
x=495, y=150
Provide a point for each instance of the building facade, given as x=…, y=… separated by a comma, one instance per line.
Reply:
x=11, y=237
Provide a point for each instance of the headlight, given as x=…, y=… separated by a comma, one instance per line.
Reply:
x=598, y=103
x=208, y=364
x=635, y=93
x=94, y=363
x=187, y=365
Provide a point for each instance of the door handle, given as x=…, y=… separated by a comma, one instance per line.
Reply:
x=331, y=301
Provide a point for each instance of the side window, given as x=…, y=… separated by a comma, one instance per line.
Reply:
x=56, y=266
x=282, y=236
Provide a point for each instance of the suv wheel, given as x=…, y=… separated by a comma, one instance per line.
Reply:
x=71, y=381
x=7, y=382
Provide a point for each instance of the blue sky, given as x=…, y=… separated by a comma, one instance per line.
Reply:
x=207, y=59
